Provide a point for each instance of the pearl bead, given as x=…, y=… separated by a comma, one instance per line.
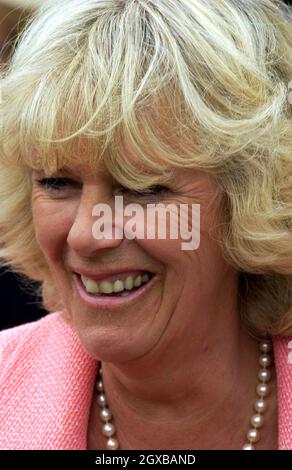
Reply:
x=105, y=414
x=265, y=346
x=99, y=386
x=112, y=443
x=101, y=399
x=263, y=390
x=260, y=405
x=265, y=360
x=108, y=429
x=248, y=446
x=264, y=375
x=253, y=435
x=257, y=421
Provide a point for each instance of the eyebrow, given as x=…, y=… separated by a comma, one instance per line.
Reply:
x=76, y=171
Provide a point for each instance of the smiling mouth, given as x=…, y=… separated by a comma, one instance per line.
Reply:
x=107, y=289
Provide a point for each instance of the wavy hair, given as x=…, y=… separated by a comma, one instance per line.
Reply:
x=102, y=73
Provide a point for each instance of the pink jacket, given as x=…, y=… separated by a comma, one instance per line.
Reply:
x=47, y=380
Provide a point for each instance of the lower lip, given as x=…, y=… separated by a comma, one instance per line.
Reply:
x=111, y=301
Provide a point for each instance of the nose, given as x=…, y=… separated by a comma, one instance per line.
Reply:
x=94, y=227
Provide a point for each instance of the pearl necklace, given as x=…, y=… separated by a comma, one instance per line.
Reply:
x=257, y=420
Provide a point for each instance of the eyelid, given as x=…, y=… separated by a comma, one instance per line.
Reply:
x=151, y=190
x=59, y=182
x=56, y=184
x=54, y=178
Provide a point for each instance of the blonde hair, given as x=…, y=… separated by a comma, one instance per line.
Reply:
x=102, y=73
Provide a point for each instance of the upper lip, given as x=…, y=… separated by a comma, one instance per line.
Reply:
x=98, y=276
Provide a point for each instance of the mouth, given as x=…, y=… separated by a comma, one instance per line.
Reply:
x=108, y=299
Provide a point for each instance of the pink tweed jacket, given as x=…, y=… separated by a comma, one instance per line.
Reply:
x=47, y=380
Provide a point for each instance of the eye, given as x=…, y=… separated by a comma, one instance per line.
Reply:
x=151, y=191
x=55, y=184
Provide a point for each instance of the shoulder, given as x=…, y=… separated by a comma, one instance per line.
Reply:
x=29, y=336
x=283, y=368
x=46, y=383
x=283, y=359
x=283, y=351
x=283, y=362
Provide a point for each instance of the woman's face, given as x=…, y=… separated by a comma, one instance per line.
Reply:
x=186, y=286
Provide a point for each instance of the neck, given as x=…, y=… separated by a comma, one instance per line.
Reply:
x=183, y=407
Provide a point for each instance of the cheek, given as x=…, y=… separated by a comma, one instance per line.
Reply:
x=52, y=225
x=167, y=252
x=205, y=254
x=179, y=237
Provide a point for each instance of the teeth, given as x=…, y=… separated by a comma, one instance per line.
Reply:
x=129, y=283
x=138, y=281
x=90, y=285
x=118, y=286
x=145, y=277
x=106, y=287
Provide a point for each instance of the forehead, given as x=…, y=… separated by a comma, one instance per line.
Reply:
x=134, y=160
x=87, y=165
x=83, y=158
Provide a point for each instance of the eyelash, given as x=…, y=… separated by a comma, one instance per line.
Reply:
x=151, y=191
x=56, y=184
